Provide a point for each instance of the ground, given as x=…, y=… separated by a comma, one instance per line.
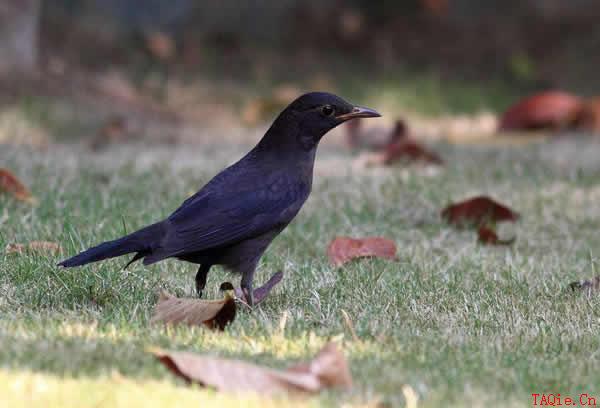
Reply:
x=461, y=324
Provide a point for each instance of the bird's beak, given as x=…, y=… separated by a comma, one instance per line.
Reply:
x=359, y=112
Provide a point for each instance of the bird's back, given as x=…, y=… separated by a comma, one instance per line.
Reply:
x=246, y=200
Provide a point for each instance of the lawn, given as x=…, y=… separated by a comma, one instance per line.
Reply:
x=460, y=323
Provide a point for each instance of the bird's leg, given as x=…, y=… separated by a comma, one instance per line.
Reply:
x=201, y=278
x=247, y=289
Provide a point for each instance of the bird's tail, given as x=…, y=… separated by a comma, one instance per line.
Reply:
x=142, y=241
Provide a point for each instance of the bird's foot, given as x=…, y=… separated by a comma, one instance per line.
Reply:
x=248, y=295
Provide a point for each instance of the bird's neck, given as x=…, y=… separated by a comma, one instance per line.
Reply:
x=296, y=161
x=286, y=136
x=285, y=147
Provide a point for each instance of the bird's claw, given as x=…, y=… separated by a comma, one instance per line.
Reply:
x=248, y=295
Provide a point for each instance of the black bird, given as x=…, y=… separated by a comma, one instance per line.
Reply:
x=232, y=220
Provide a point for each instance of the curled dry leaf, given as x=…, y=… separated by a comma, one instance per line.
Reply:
x=409, y=150
x=589, y=286
x=374, y=138
x=390, y=146
x=45, y=247
x=478, y=211
x=10, y=184
x=546, y=110
x=262, y=292
x=488, y=236
x=344, y=249
x=214, y=314
x=328, y=369
x=589, y=118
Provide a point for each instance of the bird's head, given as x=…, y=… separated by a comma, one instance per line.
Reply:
x=310, y=116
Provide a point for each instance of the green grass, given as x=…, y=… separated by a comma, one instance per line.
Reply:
x=462, y=324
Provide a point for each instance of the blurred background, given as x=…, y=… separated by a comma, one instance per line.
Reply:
x=105, y=71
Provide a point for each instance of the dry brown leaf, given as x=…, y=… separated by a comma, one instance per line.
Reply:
x=344, y=249
x=546, y=110
x=214, y=314
x=589, y=286
x=487, y=236
x=45, y=247
x=10, y=184
x=374, y=138
x=478, y=211
x=390, y=145
x=409, y=150
x=328, y=369
x=262, y=292
x=589, y=118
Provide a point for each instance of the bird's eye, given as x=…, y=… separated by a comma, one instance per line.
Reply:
x=327, y=110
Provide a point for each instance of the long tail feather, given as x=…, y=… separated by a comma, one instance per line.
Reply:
x=140, y=241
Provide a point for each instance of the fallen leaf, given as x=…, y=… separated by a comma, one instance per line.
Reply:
x=588, y=286
x=546, y=110
x=10, y=184
x=409, y=150
x=214, y=314
x=344, y=249
x=328, y=369
x=488, y=236
x=45, y=247
x=262, y=292
x=589, y=118
x=478, y=211
x=374, y=138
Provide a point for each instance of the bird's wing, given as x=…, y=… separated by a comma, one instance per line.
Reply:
x=215, y=220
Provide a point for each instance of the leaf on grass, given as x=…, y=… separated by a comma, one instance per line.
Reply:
x=589, y=286
x=552, y=110
x=262, y=292
x=478, y=211
x=214, y=314
x=44, y=247
x=328, y=369
x=344, y=249
x=408, y=150
x=488, y=236
x=10, y=184
x=589, y=118
x=374, y=139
